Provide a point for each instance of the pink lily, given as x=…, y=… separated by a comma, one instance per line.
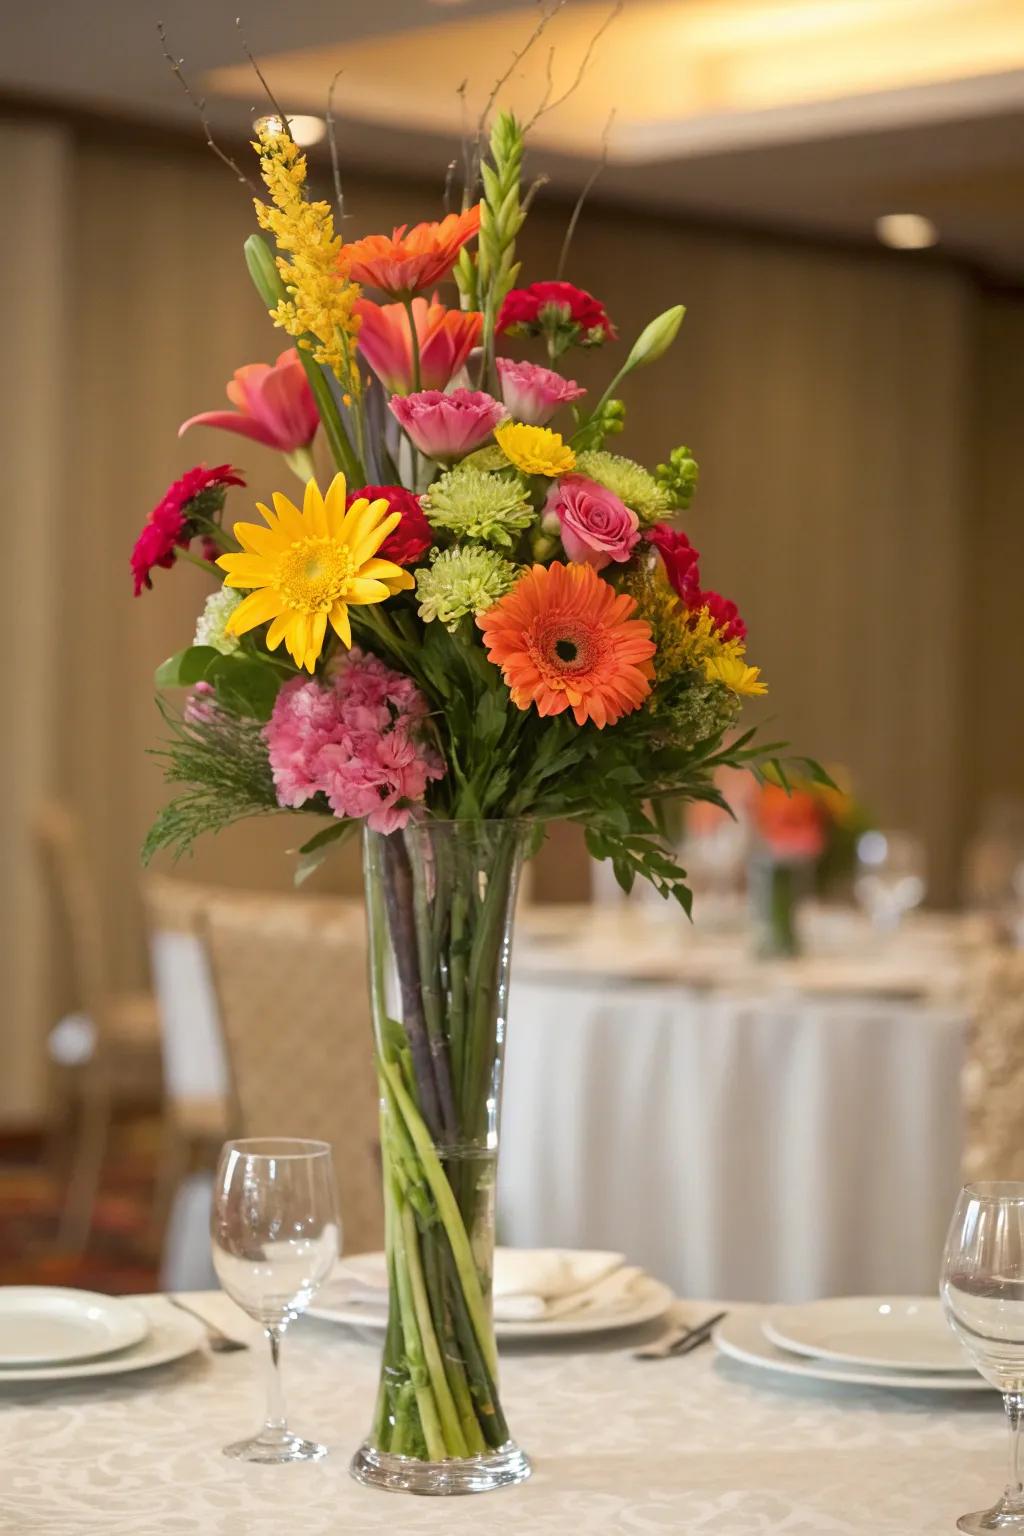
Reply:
x=274, y=405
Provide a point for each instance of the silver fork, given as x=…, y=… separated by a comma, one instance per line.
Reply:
x=679, y=1340
x=220, y=1342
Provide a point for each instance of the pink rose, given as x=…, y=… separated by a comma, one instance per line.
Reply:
x=595, y=526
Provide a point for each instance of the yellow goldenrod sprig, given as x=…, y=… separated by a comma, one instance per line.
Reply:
x=319, y=310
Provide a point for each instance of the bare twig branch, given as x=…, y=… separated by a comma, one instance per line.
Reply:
x=332, y=139
x=547, y=104
x=464, y=143
x=535, y=186
x=199, y=103
x=549, y=83
x=585, y=192
x=261, y=77
x=549, y=11
x=449, y=182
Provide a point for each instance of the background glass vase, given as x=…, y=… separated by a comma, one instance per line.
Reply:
x=440, y=899
x=776, y=888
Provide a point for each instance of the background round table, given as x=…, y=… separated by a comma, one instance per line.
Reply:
x=771, y=1132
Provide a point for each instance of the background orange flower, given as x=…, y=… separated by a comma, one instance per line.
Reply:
x=565, y=639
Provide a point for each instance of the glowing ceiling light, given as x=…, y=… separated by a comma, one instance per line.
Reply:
x=906, y=231
x=305, y=130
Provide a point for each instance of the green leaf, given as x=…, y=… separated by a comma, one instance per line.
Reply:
x=244, y=685
x=329, y=834
x=187, y=668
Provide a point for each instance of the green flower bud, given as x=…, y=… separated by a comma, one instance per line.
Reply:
x=655, y=338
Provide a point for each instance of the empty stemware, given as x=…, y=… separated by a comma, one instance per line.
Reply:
x=982, y=1292
x=276, y=1234
x=890, y=878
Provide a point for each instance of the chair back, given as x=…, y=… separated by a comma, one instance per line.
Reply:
x=994, y=1072
x=194, y=1058
x=61, y=843
x=290, y=979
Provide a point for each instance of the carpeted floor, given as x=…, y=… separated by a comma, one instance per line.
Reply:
x=121, y=1255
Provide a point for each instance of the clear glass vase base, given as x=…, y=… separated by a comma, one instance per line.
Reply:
x=271, y=1447
x=439, y=1479
x=1000, y=1518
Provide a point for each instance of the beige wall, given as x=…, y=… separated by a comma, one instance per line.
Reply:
x=828, y=395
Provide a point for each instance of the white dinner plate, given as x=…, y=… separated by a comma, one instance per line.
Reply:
x=898, y=1333
x=653, y=1299
x=51, y=1325
x=741, y=1337
x=171, y=1334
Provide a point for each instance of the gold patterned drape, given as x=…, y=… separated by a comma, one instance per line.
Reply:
x=829, y=396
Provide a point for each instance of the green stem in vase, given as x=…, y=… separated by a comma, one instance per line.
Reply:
x=419, y=1374
x=481, y=1380
x=433, y=1275
x=449, y=1213
x=455, y=1441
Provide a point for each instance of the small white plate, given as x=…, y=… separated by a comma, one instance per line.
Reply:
x=741, y=1337
x=170, y=1335
x=49, y=1325
x=898, y=1333
x=653, y=1299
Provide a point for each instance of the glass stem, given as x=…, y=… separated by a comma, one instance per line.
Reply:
x=275, y=1420
x=1013, y=1498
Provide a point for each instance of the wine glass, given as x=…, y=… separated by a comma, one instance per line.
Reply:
x=890, y=876
x=982, y=1292
x=276, y=1234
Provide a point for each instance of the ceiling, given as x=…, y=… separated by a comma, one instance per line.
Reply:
x=814, y=116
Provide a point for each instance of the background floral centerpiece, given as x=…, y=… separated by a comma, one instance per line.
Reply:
x=482, y=619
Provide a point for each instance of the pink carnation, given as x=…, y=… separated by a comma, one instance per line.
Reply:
x=533, y=394
x=447, y=426
x=595, y=526
x=357, y=739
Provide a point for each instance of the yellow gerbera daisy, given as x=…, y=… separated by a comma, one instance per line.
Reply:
x=307, y=568
x=730, y=668
x=535, y=450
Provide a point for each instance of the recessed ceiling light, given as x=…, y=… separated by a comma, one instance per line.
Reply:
x=906, y=231
x=304, y=130
x=307, y=130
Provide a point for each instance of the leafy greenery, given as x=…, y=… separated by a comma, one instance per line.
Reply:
x=221, y=759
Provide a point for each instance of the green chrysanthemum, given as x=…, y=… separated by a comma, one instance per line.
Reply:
x=629, y=481
x=210, y=624
x=475, y=505
x=459, y=582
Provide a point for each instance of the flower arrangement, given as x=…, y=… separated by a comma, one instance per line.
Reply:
x=480, y=620
x=477, y=537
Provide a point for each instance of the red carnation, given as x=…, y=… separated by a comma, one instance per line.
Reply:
x=563, y=313
x=171, y=525
x=682, y=567
x=412, y=538
x=680, y=559
x=724, y=615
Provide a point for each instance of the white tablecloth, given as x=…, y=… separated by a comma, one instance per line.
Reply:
x=620, y=1447
x=756, y=1146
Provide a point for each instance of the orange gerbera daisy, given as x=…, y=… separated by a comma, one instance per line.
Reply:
x=565, y=639
x=409, y=260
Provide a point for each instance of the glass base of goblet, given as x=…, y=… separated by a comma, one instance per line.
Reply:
x=1001, y=1517
x=275, y=1445
x=468, y=1474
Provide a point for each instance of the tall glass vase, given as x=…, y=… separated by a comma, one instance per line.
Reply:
x=440, y=899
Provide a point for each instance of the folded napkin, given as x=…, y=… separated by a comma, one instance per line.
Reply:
x=530, y=1284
